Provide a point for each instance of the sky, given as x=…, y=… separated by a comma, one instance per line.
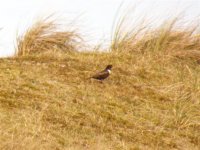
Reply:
x=95, y=17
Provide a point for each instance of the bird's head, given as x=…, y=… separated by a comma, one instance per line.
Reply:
x=109, y=67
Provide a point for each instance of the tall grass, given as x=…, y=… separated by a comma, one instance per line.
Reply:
x=150, y=101
x=47, y=35
x=173, y=36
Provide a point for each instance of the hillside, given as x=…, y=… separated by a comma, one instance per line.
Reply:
x=48, y=103
x=150, y=101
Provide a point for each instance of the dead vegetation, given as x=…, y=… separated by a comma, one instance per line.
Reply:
x=150, y=101
x=45, y=35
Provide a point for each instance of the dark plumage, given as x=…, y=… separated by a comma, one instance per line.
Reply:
x=103, y=74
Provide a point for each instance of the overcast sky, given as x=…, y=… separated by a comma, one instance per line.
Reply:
x=96, y=19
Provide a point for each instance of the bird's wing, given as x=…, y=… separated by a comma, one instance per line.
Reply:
x=100, y=74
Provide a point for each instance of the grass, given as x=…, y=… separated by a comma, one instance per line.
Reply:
x=46, y=35
x=151, y=100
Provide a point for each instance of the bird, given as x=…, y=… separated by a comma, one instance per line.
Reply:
x=103, y=74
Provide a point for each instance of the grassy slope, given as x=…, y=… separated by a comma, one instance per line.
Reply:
x=150, y=101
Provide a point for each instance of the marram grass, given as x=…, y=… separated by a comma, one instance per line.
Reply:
x=150, y=101
x=45, y=35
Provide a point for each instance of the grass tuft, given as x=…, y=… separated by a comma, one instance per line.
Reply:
x=45, y=35
x=172, y=37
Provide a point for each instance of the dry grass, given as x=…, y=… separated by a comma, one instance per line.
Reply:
x=45, y=35
x=151, y=101
x=172, y=37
